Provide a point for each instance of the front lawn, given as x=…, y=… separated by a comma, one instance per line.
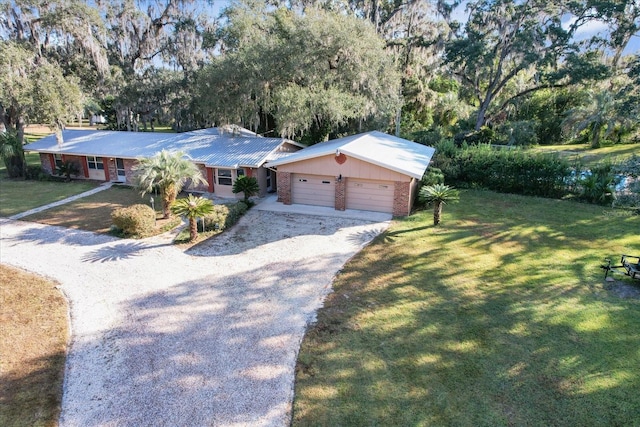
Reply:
x=591, y=156
x=93, y=213
x=19, y=195
x=33, y=341
x=500, y=316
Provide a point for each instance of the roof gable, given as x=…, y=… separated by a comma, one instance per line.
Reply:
x=381, y=149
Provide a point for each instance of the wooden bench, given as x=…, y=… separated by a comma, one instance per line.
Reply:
x=629, y=263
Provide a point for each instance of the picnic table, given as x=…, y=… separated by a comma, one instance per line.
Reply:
x=629, y=265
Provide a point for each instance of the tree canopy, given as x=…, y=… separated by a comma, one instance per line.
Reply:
x=298, y=74
x=310, y=69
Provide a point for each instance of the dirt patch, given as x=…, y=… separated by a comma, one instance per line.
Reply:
x=623, y=289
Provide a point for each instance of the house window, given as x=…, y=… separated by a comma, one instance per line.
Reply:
x=58, y=160
x=224, y=177
x=239, y=173
x=95, y=163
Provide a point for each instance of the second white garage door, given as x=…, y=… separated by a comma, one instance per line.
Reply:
x=313, y=190
x=368, y=195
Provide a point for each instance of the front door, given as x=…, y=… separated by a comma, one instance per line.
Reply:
x=122, y=176
x=269, y=185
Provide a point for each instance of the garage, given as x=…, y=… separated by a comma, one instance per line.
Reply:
x=369, y=195
x=371, y=171
x=315, y=190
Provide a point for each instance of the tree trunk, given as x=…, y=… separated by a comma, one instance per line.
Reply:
x=167, y=200
x=193, y=229
x=482, y=112
x=437, y=212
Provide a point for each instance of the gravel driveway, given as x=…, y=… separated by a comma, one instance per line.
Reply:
x=208, y=337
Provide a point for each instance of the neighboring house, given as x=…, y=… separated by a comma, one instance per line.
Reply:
x=370, y=171
x=222, y=154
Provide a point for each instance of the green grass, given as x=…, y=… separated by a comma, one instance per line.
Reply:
x=18, y=195
x=497, y=317
x=588, y=156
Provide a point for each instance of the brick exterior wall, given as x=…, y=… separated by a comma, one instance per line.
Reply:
x=128, y=172
x=401, y=198
x=111, y=167
x=284, y=187
x=341, y=193
x=46, y=161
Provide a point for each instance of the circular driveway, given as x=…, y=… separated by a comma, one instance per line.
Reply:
x=209, y=336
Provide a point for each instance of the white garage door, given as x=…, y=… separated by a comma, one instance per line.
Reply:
x=313, y=190
x=370, y=195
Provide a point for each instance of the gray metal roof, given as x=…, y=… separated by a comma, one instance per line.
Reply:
x=391, y=152
x=213, y=147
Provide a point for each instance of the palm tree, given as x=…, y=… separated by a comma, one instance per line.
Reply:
x=247, y=185
x=599, y=117
x=192, y=207
x=169, y=173
x=438, y=194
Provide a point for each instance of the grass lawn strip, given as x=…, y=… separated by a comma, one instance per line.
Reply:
x=588, y=156
x=497, y=317
x=33, y=340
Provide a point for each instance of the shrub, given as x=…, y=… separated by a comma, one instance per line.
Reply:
x=135, y=220
x=485, y=135
x=224, y=216
x=433, y=176
x=35, y=172
x=68, y=168
x=522, y=133
x=597, y=185
x=217, y=219
x=429, y=137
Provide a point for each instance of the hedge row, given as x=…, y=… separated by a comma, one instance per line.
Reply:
x=504, y=170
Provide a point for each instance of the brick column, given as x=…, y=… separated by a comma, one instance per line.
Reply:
x=210, y=180
x=284, y=187
x=105, y=164
x=341, y=193
x=401, y=196
x=46, y=161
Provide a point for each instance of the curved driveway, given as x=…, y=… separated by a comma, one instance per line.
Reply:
x=209, y=337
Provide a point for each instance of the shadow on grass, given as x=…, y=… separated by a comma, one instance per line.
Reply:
x=487, y=320
x=32, y=397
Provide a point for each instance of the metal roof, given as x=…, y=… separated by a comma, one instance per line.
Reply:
x=215, y=147
x=397, y=154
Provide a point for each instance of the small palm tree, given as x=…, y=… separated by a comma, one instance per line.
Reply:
x=169, y=173
x=68, y=168
x=247, y=185
x=438, y=194
x=192, y=207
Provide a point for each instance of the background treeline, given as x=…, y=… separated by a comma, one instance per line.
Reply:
x=499, y=72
